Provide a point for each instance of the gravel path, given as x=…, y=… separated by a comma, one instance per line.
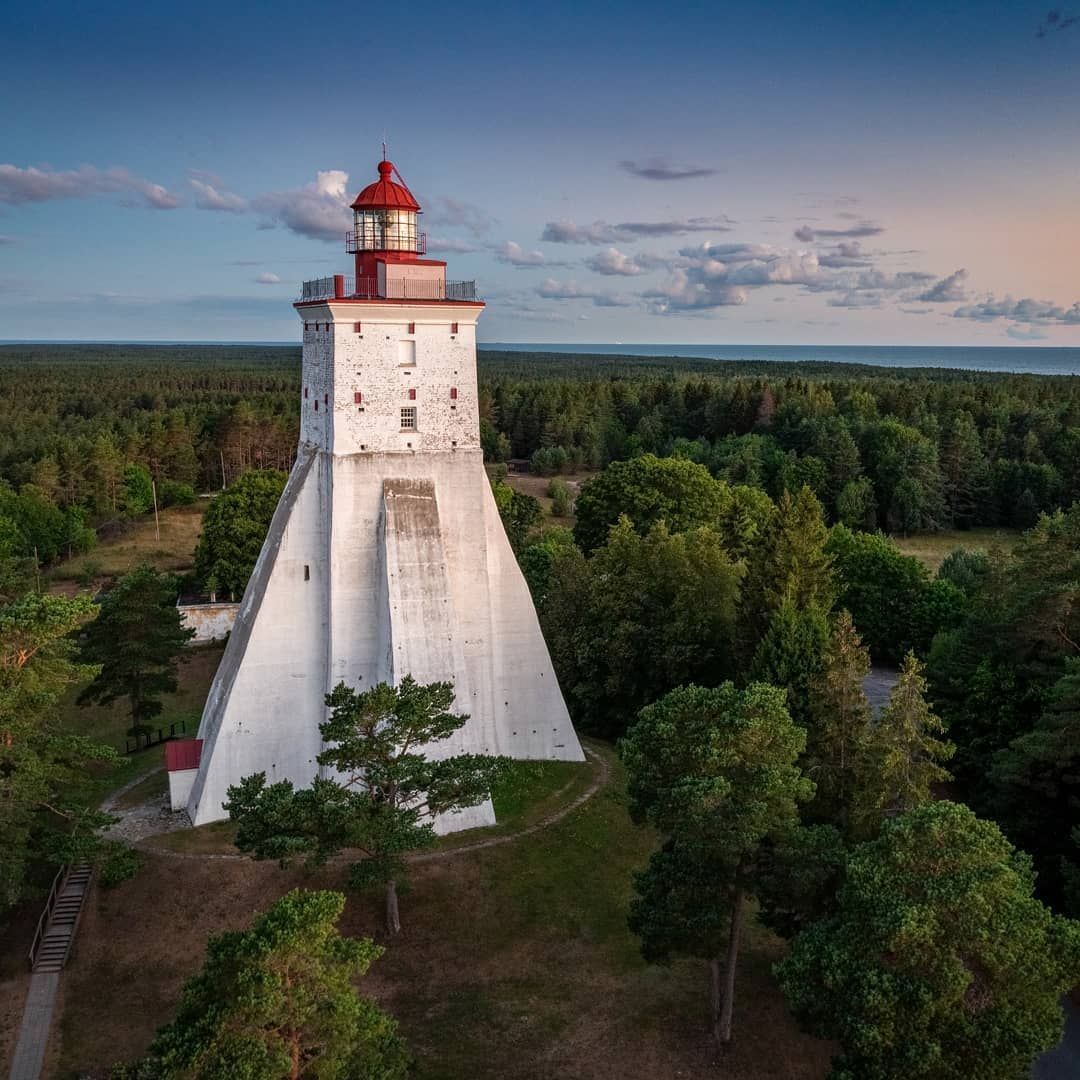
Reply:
x=150, y=818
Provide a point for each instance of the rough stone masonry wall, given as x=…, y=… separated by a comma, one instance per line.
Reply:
x=339, y=363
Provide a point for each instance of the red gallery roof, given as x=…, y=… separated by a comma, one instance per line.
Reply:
x=385, y=194
x=181, y=754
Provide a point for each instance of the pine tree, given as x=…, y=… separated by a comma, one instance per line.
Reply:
x=839, y=723
x=42, y=817
x=902, y=759
x=278, y=1000
x=792, y=655
x=384, y=792
x=965, y=473
x=136, y=640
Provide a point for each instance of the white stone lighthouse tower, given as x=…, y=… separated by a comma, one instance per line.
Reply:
x=386, y=555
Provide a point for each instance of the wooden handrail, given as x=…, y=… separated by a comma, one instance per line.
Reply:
x=43, y=919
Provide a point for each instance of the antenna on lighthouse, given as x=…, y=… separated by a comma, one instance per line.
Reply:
x=384, y=146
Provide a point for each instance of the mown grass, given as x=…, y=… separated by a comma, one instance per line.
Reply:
x=932, y=548
x=137, y=542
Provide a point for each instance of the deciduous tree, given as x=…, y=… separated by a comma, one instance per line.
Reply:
x=939, y=963
x=234, y=529
x=714, y=771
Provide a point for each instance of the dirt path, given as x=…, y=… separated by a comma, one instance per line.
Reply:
x=139, y=816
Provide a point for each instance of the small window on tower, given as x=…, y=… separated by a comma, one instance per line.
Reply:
x=412, y=393
x=453, y=328
x=316, y=406
x=412, y=328
x=305, y=393
x=358, y=328
x=408, y=418
x=358, y=398
x=326, y=399
x=453, y=393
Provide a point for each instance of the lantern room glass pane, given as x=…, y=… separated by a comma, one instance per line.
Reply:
x=385, y=230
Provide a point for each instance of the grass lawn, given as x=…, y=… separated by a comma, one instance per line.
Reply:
x=931, y=548
x=136, y=543
x=514, y=961
x=537, y=487
x=108, y=723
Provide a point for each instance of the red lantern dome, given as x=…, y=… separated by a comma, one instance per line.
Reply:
x=385, y=194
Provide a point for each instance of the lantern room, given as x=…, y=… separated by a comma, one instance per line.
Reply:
x=384, y=217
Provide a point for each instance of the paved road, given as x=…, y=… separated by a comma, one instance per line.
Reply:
x=36, y=1021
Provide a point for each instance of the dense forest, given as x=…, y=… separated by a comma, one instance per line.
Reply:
x=84, y=429
x=714, y=612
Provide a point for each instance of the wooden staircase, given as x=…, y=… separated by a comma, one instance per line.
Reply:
x=60, y=919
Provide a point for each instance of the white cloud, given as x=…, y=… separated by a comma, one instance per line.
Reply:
x=600, y=232
x=319, y=209
x=515, y=255
x=550, y=289
x=1026, y=333
x=29, y=185
x=1026, y=310
x=453, y=212
x=211, y=195
x=948, y=290
x=615, y=263
x=268, y=279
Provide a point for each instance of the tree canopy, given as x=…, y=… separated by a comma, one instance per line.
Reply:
x=938, y=962
x=383, y=793
x=234, y=529
x=278, y=1001
x=136, y=642
x=714, y=771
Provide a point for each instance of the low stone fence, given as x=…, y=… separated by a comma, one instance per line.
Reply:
x=211, y=621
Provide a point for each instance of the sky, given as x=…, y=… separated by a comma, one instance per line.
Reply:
x=819, y=173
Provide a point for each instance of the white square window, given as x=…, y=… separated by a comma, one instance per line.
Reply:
x=408, y=418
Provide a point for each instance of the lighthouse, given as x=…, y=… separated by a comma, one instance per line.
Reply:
x=386, y=555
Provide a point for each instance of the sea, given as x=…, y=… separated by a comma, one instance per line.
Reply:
x=1034, y=360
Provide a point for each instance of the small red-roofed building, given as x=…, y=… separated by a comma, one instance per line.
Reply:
x=182, y=758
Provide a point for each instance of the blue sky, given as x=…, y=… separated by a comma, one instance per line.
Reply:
x=783, y=173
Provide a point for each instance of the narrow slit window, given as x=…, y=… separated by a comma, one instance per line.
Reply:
x=412, y=393
x=307, y=572
x=412, y=328
x=358, y=398
x=305, y=393
x=408, y=418
x=453, y=393
x=453, y=328
x=316, y=406
x=358, y=328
